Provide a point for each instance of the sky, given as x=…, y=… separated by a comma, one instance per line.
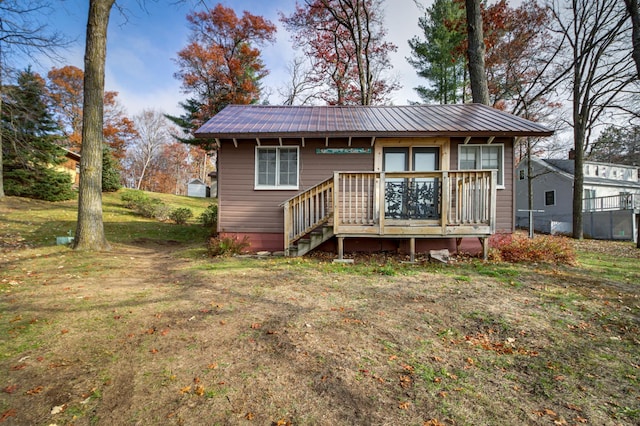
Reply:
x=142, y=44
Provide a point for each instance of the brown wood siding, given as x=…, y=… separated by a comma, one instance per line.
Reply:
x=243, y=209
x=505, y=197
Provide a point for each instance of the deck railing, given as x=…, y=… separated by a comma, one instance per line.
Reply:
x=430, y=204
x=307, y=210
x=625, y=201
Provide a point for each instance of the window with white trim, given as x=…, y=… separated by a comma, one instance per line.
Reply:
x=482, y=157
x=277, y=167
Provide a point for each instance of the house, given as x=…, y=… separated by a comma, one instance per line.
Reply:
x=367, y=177
x=71, y=166
x=197, y=188
x=611, y=197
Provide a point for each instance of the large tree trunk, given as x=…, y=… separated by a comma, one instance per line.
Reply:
x=90, y=228
x=634, y=11
x=578, y=181
x=1, y=167
x=476, y=52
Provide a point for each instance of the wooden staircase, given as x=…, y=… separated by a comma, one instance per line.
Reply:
x=311, y=240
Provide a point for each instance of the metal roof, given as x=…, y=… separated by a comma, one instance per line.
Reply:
x=264, y=121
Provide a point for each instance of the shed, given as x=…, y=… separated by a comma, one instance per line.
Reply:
x=196, y=188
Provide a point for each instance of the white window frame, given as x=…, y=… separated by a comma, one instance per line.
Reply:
x=554, y=198
x=277, y=186
x=479, y=160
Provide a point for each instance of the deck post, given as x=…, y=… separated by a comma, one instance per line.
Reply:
x=412, y=249
x=485, y=247
x=340, y=248
x=287, y=228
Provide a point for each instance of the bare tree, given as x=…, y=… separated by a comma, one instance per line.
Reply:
x=22, y=34
x=154, y=134
x=634, y=12
x=476, y=52
x=90, y=228
x=596, y=34
x=302, y=88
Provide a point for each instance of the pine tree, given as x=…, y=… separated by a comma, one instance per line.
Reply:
x=110, y=171
x=437, y=57
x=30, y=152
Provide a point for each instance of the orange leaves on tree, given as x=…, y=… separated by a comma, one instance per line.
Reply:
x=222, y=65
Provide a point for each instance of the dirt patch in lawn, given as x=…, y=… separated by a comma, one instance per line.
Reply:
x=141, y=335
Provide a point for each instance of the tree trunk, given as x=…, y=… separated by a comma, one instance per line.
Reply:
x=1, y=167
x=90, y=228
x=634, y=11
x=578, y=181
x=476, y=52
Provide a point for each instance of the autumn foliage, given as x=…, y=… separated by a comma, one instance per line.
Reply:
x=222, y=65
x=543, y=248
x=345, y=41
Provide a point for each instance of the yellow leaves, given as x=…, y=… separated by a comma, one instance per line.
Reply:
x=433, y=422
x=404, y=405
x=199, y=390
x=185, y=389
x=282, y=422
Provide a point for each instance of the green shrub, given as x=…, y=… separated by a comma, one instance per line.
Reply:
x=181, y=215
x=227, y=246
x=162, y=212
x=144, y=205
x=209, y=217
x=543, y=248
x=131, y=197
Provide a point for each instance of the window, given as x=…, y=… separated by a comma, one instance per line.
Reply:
x=522, y=174
x=589, y=202
x=276, y=168
x=549, y=198
x=474, y=157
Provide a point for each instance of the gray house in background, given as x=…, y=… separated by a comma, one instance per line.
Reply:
x=611, y=198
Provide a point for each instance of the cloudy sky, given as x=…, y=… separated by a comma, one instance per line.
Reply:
x=142, y=43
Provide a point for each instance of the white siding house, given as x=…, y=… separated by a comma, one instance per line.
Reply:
x=611, y=197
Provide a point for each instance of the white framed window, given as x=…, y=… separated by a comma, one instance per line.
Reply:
x=481, y=157
x=550, y=198
x=277, y=167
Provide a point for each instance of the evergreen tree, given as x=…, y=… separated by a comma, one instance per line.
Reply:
x=438, y=58
x=30, y=152
x=110, y=171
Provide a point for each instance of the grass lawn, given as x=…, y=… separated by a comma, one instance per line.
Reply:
x=156, y=332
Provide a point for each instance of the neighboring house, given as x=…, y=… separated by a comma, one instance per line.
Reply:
x=368, y=177
x=611, y=198
x=71, y=166
x=197, y=188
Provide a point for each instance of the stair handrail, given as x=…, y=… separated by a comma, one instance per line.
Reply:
x=307, y=210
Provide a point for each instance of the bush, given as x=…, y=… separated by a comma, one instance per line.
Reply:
x=146, y=206
x=42, y=184
x=227, y=246
x=210, y=216
x=131, y=197
x=181, y=215
x=520, y=248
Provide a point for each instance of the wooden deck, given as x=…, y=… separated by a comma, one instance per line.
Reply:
x=407, y=205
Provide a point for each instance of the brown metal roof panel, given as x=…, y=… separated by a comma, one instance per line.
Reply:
x=253, y=121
